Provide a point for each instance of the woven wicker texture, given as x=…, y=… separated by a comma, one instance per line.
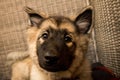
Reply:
x=13, y=23
x=107, y=28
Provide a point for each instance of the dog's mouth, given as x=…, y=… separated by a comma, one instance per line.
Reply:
x=54, y=67
x=55, y=64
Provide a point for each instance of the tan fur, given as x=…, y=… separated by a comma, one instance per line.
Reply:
x=16, y=56
x=68, y=26
x=29, y=69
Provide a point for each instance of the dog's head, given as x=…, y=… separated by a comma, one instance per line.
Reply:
x=53, y=41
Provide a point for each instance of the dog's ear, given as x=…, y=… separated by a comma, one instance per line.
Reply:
x=84, y=20
x=35, y=17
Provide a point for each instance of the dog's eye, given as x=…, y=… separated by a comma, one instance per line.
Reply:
x=45, y=35
x=68, y=38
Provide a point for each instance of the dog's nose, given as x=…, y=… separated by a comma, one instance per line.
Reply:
x=51, y=59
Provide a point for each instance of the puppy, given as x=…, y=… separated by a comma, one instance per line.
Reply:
x=57, y=48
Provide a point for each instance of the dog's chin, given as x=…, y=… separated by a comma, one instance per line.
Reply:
x=54, y=68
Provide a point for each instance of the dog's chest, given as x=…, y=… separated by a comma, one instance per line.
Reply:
x=35, y=74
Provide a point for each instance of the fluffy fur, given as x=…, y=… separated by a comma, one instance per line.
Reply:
x=28, y=64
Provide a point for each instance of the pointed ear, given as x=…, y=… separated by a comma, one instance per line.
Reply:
x=84, y=21
x=35, y=18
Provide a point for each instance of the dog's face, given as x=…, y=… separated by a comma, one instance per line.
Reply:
x=56, y=38
x=56, y=51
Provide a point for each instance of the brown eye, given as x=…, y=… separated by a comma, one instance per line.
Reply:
x=45, y=35
x=68, y=38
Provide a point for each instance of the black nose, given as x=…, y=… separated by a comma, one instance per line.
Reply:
x=51, y=59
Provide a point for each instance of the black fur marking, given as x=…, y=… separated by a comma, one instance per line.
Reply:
x=59, y=55
x=86, y=18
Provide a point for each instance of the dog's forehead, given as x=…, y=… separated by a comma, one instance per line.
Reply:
x=60, y=23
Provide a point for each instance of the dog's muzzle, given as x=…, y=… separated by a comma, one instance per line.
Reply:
x=54, y=63
x=51, y=59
